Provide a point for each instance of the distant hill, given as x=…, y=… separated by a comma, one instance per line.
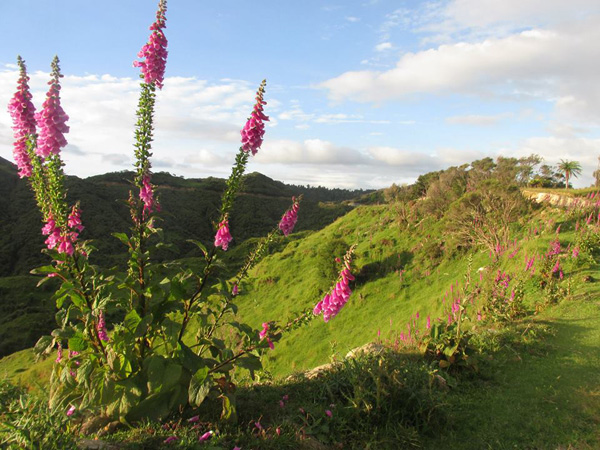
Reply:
x=189, y=206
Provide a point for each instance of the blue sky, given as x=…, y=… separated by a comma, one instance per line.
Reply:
x=361, y=93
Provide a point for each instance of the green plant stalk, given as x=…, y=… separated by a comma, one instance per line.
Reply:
x=91, y=325
x=233, y=186
x=251, y=261
x=143, y=144
x=47, y=182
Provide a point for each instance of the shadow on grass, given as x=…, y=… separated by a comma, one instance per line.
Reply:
x=385, y=400
x=533, y=399
x=380, y=269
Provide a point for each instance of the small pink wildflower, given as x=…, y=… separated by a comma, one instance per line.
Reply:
x=575, y=253
x=66, y=243
x=235, y=290
x=171, y=439
x=258, y=425
x=101, y=327
x=155, y=50
x=206, y=436
x=74, y=220
x=70, y=411
x=53, y=232
x=147, y=196
x=289, y=219
x=223, y=237
x=264, y=331
x=193, y=419
x=479, y=315
x=428, y=324
x=59, y=353
x=329, y=413
x=529, y=263
x=278, y=431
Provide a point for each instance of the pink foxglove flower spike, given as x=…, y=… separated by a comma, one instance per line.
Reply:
x=52, y=120
x=289, y=219
x=22, y=111
x=254, y=130
x=335, y=300
x=154, y=52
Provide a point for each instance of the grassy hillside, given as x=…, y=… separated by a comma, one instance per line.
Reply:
x=400, y=271
x=531, y=382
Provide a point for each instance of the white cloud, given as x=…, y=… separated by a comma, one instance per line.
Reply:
x=416, y=163
x=347, y=118
x=205, y=156
x=557, y=65
x=399, y=157
x=492, y=16
x=310, y=151
x=352, y=19
x=102, y=108
x=477, y=120
x=295, y=114
x=383, y=47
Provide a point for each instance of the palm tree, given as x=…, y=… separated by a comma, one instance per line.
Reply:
x=570, y=168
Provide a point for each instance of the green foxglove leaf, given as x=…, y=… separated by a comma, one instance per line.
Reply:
x=143, y=325
x=78, y=343
x=229, y=412
x=122, y=237
x=200, y=385
x=132, y=320
x=44, y=345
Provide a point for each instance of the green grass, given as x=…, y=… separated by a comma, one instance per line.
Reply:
x=384, y=299
x=21, y=368
x=536, y=400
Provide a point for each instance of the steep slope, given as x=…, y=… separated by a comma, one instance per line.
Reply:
x=401, y=270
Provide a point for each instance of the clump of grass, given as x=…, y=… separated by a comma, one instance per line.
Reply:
x=386, y=400
x=27, y=422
